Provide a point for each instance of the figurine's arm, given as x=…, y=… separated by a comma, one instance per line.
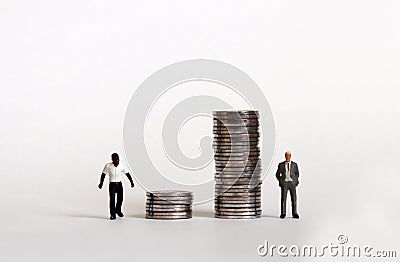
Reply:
x=102, y=180
x=130, y=179
x=278, y=176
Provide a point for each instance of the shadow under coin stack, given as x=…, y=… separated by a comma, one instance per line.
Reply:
x=237, y=164
x=169, y=204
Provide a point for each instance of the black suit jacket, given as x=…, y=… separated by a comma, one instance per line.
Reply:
x=281, y=173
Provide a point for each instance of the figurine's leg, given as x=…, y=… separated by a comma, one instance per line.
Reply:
x=283, y=199
x=120, y=197
x=293, y=197
x=112, y=199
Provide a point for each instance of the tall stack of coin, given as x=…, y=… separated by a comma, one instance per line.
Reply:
x=237, y=164
x=169, y=204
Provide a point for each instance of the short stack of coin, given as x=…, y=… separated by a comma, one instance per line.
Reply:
x=169, y=204
x=237, y=164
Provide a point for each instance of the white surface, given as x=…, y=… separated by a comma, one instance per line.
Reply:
x=329, y=69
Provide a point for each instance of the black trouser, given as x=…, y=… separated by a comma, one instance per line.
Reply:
x=115, y=188
x=287, y=185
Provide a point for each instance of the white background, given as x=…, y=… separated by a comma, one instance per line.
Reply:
x=329, y=69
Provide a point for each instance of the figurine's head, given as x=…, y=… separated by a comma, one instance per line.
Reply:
x=288, y=154
x=115, y=159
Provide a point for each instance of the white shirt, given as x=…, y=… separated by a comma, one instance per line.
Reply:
x=114, y=173
x=287, y=168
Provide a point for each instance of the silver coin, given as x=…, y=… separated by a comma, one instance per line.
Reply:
x=248, y=126
x=235, y=113
x=237, y=163
x=238, y=210
x=235, y=129
x=248, y=213
x=218, y=209
x=256, y=179
x=219, y=125
x=250, y=131
x=235, y=123
x=237, y=154
x=243, y=199
x=162, y=202
x=230, y=133
x=235, y=145
x=247, y=135
x=253, y=186
x=237, y=160
x=172, y=197
x=168, y=213
x=239, y=187
x=156, y=211
x=168, y=206
x=172, y=212
x=224, y=191
x=237, y=157
x=238, y=172
x=258, y=203
x=234, y=193
x=233, y=140
x=167, y=217
x=237, y=191
x=170, y=193
x=235, y=149
x=236, y=117
x=228, y=152
x=169, y=202
x=238, y=147
x=240, y=194
x=251, y=165
x=240, y=179
x=238, y=205
x=238, y=183
x=235, y=120
x=246, y=162
x=249, y=187
x=237, y=169
x=237, y=217
x=238, y=213
x=234, y=175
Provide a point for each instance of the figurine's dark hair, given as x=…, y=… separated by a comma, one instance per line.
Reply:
x=114, y=155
